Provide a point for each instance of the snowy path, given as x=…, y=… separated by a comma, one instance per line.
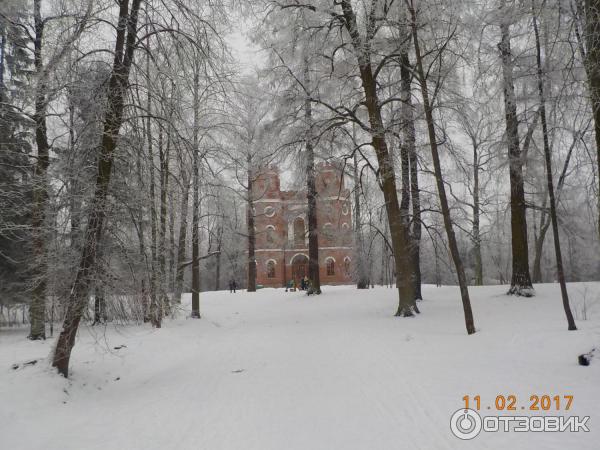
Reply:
x=283, y=371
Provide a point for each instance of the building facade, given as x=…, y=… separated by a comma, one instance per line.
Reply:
x=281, y=226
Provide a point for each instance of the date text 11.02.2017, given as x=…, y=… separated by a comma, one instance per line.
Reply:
x=510, y=402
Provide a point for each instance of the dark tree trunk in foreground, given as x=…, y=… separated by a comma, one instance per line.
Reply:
x=196, y=201
x=521, y=281
x=592, y=66
x=251, y=232
x=412, y=182
x=362, y=279
x=117, y=88
x=387, y=178
x=311, y=191
x=547, y=154
x=460, y=271
x=37, y=308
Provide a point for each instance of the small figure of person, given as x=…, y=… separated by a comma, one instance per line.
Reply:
x=305, y=282
x=232, y=286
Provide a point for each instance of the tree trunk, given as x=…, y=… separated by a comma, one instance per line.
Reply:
x=311, y=190
x=460, y=271
x=476, y=219
x=521, y=280
x=99, y=305
x=539, y=247
x=251, y=231
x=408, y=128
x=592, y=65
x=163, y=154
x=2, y=57
x=37, y=309
x=362, y=279
x=141, y=239
x=155, y=316
x=545, y=222
x=196, y=202
x=547, y=154
x=181, y=244
x=218, y=256
x=387, y=178
x=172, y=263
x=117, y=87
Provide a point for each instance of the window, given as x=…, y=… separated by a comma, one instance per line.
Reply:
x=270, y=269
x=270, y=234
x=347, y=265
x=345, y=226
x=330, y=267
x=329, y=210
x=328, y=231
x=299, y=232
x=269, y=211
x=345, y=209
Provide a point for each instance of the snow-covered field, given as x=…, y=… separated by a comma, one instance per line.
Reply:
x=282, y=371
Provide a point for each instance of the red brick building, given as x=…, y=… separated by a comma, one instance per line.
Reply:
x=282, y=228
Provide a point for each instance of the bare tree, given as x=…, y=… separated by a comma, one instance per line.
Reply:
x=397, y=223
x=548, y=157
x=460, y=271
x=521, y=280
x=124, y=49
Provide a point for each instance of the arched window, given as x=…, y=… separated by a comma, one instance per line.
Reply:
x=269, y=211
x=345, y=227
x=328, y=231
x=330, y=267
x=270, y=269
x=299, y=232
x=347, y=265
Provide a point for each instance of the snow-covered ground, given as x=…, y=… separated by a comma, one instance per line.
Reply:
x=282, y=371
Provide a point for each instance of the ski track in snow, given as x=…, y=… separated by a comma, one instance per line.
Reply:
x=283, y=371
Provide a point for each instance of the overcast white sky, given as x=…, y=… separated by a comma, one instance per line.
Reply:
x=247, y=54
